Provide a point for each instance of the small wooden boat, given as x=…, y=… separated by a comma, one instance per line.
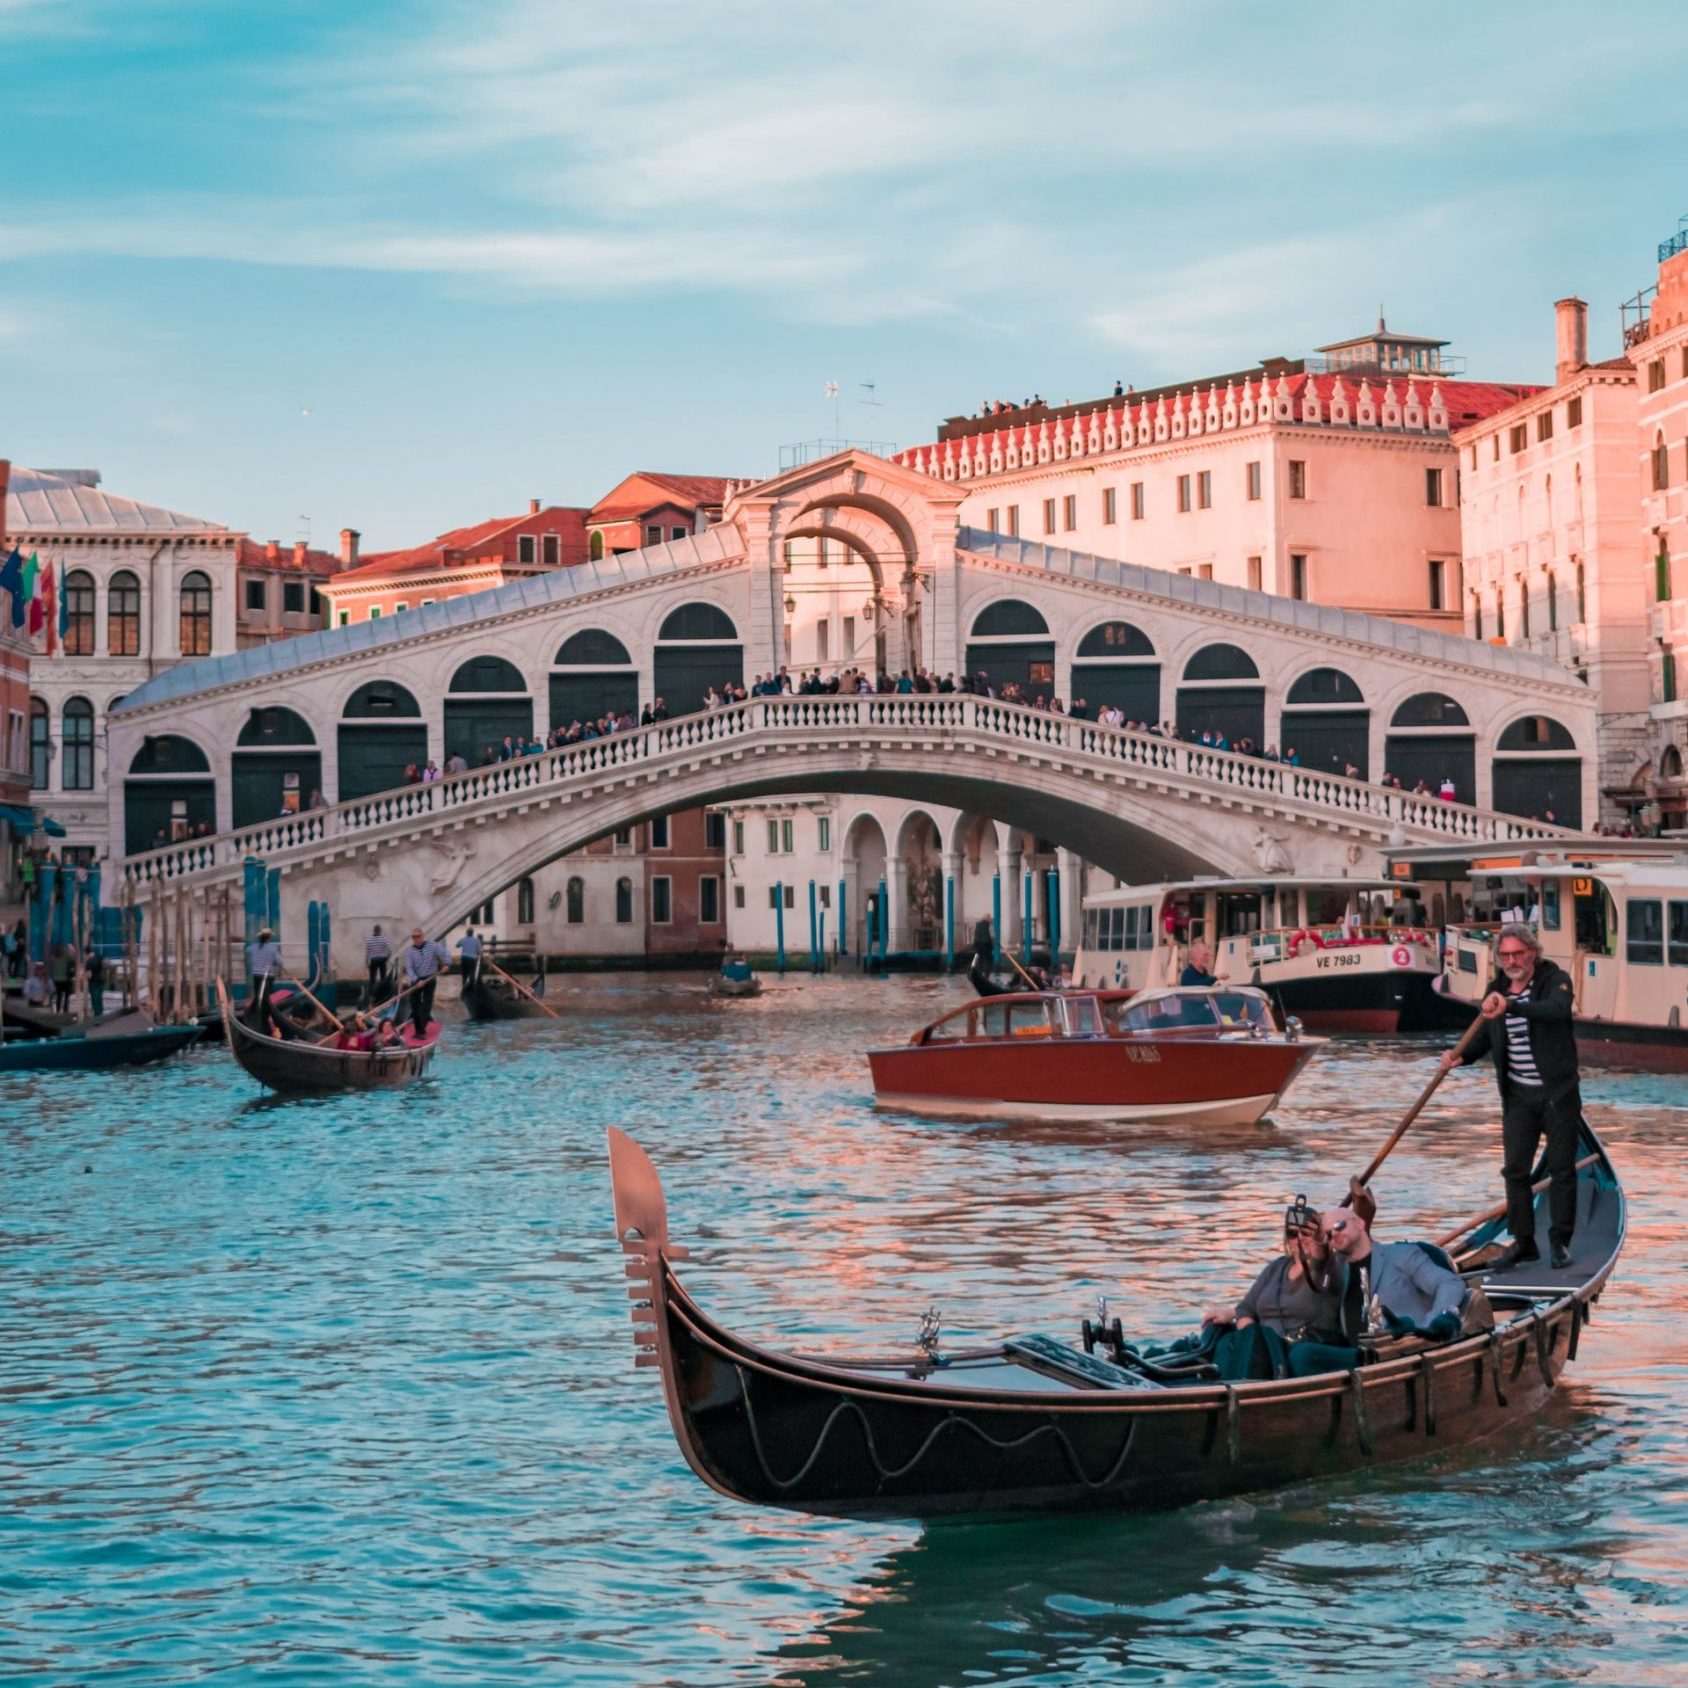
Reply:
x=1035, y=1423
x=720, y=985
x=96, y=1051
x=487, y=996
x=1208, y=1057
x=299, y=1067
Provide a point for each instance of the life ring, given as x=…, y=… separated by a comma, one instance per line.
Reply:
x=1297, y=939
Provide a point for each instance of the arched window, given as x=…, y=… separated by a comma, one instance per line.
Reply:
x=488, y=674
x=123, y=614
x=1552, y=602
x=77, y=773
x=270, y=725
x=576, y=902
x=524, y=902
x=1009, y=619
x=1582, y=602
x=1661, y=463
x=1221, y=662
x=1536, y=732
x=1476, y=615
x=1430, y=709
x=591, y=647
x=697, y=621
x=1114, y=639
x=79, y=615
x=595, y=545
x=377, y=700
x=40, y=746
x=1523, y=606
x=1325, y=685
x=196, y=614
x=624, y=902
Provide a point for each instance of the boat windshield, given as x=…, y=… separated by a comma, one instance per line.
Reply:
x=1182, y=1011
x=1011, y=1017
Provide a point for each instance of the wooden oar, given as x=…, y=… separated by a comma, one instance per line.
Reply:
x=518, y=985
x=1360, y=1198
x=381, y=1008
x=338, y=1024
x=1499, y=1208
x=1008, y=955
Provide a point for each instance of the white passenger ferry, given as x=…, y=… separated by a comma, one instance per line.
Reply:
x=1354, y=955
x=1613, y=913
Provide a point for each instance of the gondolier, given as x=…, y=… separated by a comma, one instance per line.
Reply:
x=469, y=947
x=1531, y=1039
x=263, y=962
x=421, y=964
x=377, y=957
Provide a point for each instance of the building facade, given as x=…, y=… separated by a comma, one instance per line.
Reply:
x=1552, y=526
x=17, y=822
x=143, y=588
x=1332, y=479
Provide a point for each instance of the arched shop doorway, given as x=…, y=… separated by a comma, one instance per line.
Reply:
x=1221, y=693
x=169, y=794
x=488, y=702
x=381, y=734
x=1326, y=722
x=277, y=766
x=592, y=675
x=697, y=647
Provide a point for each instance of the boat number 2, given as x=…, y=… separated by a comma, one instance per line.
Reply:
x=1336, y=958
x=1401, y=956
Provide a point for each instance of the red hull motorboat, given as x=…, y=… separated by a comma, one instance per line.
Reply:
x=1206, y=1057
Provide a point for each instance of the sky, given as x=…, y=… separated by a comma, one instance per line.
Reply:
x=403, y=265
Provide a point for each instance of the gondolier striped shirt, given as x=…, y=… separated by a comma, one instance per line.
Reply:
x=377, y=948
x=1520, y=1062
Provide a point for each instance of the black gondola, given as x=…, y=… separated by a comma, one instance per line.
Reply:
x=1033, y=1423
x=487, y=995
x=300, y=1067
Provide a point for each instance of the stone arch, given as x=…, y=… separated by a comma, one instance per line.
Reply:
x=487, y=701
x=864, y=856
x=380, y=733
x=592, y=675
x=1221, y=694
x=1430, y=740
x=1538, y=771
x=1326, y=722
x=168, y=792
x=876, y=506
x=1009, y=639
x=276, y=767
x=918, y=924
x=1115, y=664
x=697, y=646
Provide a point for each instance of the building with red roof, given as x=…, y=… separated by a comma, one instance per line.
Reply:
x=1332, y=478
x=648, y=508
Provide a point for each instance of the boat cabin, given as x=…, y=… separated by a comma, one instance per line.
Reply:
x=1086, y=1014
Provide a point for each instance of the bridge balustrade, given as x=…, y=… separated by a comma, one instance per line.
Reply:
x=1088, y=746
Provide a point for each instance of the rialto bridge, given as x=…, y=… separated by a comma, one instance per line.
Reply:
x=223, y=742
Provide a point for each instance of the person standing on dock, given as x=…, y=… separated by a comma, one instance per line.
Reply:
x=263, y=962
x=421, y=964
x=469, y=947
x=377, y=957
x=1532, y=1039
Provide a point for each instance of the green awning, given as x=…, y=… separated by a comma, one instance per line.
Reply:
x=27, y=821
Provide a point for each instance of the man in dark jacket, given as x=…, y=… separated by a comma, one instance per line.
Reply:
x=1530, y=1037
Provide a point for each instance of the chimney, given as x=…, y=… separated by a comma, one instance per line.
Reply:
x=349, y=546
x=299, y=550
x=272, y=551
x=533, y=506
x=1571, y=337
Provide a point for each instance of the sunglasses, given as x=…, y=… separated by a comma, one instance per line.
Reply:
x=1338, y=1226
x=1512, y=954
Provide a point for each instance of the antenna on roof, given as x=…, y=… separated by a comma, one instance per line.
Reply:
x=832, y=393
x=871, y=388
x=304, y=530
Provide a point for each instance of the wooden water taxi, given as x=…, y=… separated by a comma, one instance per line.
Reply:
x=298, y=1066
x=1034, y=1423
x=1612, y=912
x=1207, y=1057
x=1332, y=952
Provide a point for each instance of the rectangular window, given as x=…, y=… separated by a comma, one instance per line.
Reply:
x=991, y=519
x=1204, y=490
x=1254, y=574
x=1438, y=584
x=400, y=605
x=623, y=839
x=653, y=533
x=1661, y=577
x=255, y=592
x=714, y=830
x=849, y=636
x=426, y=602
x=1069, y=512
x=1254, y=482
x=1497, y=448
x=823, y=637
x=1544, y=425
x=551, y=550
x=787, y=831
x=1049, y=515
x=1644, y=935
x=1433, y=488
x=738, y=896
x=293, y=597
x=374, y=612
x=1136, y=501
x=791, y=896
x=1013, y=521
x=1518, y=438
x=1297, y=575
x=524, y=548
x=678, y=533
x=1204, y=571
x=662, y=900
x=524, y=902
x=659, y=833
x=1678, y=955
x=1573, y=412
x=1183, y=494
x=1110, y=506
x=823, y=833
x=709, y=900
x=774, y=896
x=1297, y=478
x=1550, y=905
x=1656, y=375
x=773, y=838
x=343, y=618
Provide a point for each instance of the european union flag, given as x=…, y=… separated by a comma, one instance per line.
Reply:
x=11, y=582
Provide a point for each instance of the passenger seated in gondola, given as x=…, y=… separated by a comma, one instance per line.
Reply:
x=1402, y=1289
x=1289, y=1321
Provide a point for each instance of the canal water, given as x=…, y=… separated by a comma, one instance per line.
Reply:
x=342, y=1391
